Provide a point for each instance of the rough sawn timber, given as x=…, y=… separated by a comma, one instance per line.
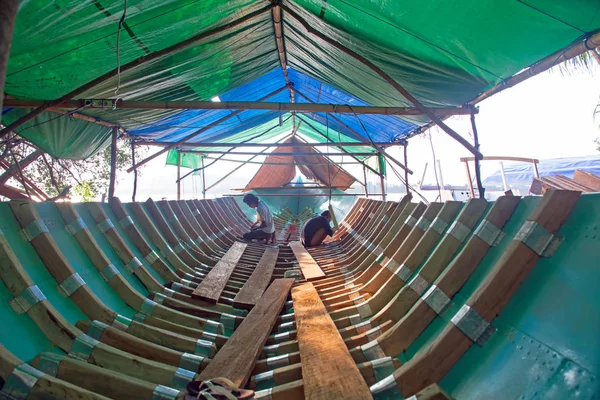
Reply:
x=328, y=370
x=308, y=265
x=254, y=287
x=235, y=361
x=213, y=284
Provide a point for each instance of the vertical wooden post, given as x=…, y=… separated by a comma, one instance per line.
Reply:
x=178, y=174
x=366, y=184
x=8, y=15
x=504, y=183
x=480, y=187
x=113, y=163
x=382, y=177
x=203, y=180
x=470, y=180
x=406, y=164
x=135, y=173
x=535, y=170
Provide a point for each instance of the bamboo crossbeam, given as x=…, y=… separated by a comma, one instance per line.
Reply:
x=279, y=41
x=110, y=104
x=424, y=110
x=293, y=153
x=130, y=65
x=295, y=144
x=198, y=132
x=282, y=163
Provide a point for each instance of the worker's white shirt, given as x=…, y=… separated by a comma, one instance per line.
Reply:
x=264, y=215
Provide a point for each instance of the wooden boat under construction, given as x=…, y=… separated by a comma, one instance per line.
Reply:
x=409, y=299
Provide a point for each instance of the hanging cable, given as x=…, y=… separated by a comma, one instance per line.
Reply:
x=437, y=182
x=119, y=52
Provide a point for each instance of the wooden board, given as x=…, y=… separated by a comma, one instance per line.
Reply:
x=213, y=284
x=328, y=370
x=308, y=265
x=255, y=286
x=236, y=359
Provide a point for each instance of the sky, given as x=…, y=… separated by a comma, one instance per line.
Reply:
x=548, y=116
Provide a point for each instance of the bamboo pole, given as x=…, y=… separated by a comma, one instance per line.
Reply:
x=406, y=163
x=178, y=175
x=203, y=180
x=130, y=65
x=279, y=42
x=8, y=16
x=113, y=163
x=382, y=187
x=388, y=79
x=365, y=185
x=295, y=144
x=135, y=173
x=110, y=104
x=282, y=163
x=480, y=187
x=293, y=153
x=198, y=132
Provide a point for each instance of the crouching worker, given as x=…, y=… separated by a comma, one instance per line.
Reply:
x=316, y=230
x=264, y=227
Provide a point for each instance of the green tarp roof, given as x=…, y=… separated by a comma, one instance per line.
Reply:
x=444, y=53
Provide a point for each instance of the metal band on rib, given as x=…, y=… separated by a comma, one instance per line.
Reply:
x=181, y=378
x=147, y=307
x=105, y=225
x=70, y=285
x=489, y=233
x=459, y=231
x=435, y=298
x=173, y=219
x=164, y=393
x=125, y=222
x=133, y=265
x=382, y=367
x=264, y=380
x=205, y=348
x=49, y=363
x=28, y=298
x=33, y=230
x=403, y=272
x=151, y=257
x=372, y=350
x=228, y=320
x=364, y=310
x=439, y=225
x=75, y=226
x=109, y=271
x=384, y=385
x=96, y=329
x=278, y=361
x=179, y=248
x=538, y=239
x=82, y=347
x=166, y=250
x=423, y=223
x=411, y=221
x=120, y=322
x=19, y=383
x=191, y=362
x=472, y=324
x=418, y=284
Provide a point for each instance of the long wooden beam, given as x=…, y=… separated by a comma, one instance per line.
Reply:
x=292, y=153
x=198, y=132
x=424, y=110
x=279, y=41
x=110, y=104
x=277, y=144
x=132, y=64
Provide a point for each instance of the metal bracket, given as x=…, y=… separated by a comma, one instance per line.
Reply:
x=133, y=265
x=423, y=223
x=125, y=222
x=418, y=284
x=439, y=225
x=538, y=239
x=75, y=226
x=372, y=350
x=164, y=393
x=28, y=298
x=147, y=307
x=382, y=367
x=109, y=271
x=212, y=326
x=459, y=231
x=82, y=347
x=264, y=379
x=181, y=378
x=19, y=383
x=205, y=348
x=70, y=285
x=489, y=233
x=151, y=257
x=411, y=221
x=191, y=362
x=403, y=272
x=436, y=299
x=96, y=329
x=49, y=363
x=33, y=230
x=388, y=383
x=278, y=361
x=105, y=225
x=473, y=325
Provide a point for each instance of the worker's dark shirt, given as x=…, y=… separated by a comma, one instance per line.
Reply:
x=312, y=226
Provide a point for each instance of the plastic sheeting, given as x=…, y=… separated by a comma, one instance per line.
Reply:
x=314, y=167
x=441, y=52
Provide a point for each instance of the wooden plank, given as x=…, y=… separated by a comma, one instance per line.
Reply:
x=236, y=359
x=212, y=286
x=588, y=179
x=254, y=287
x=328, y=370
x=308, y=265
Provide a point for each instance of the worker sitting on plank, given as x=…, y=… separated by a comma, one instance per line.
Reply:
x=316, y=230
x=264, y=227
